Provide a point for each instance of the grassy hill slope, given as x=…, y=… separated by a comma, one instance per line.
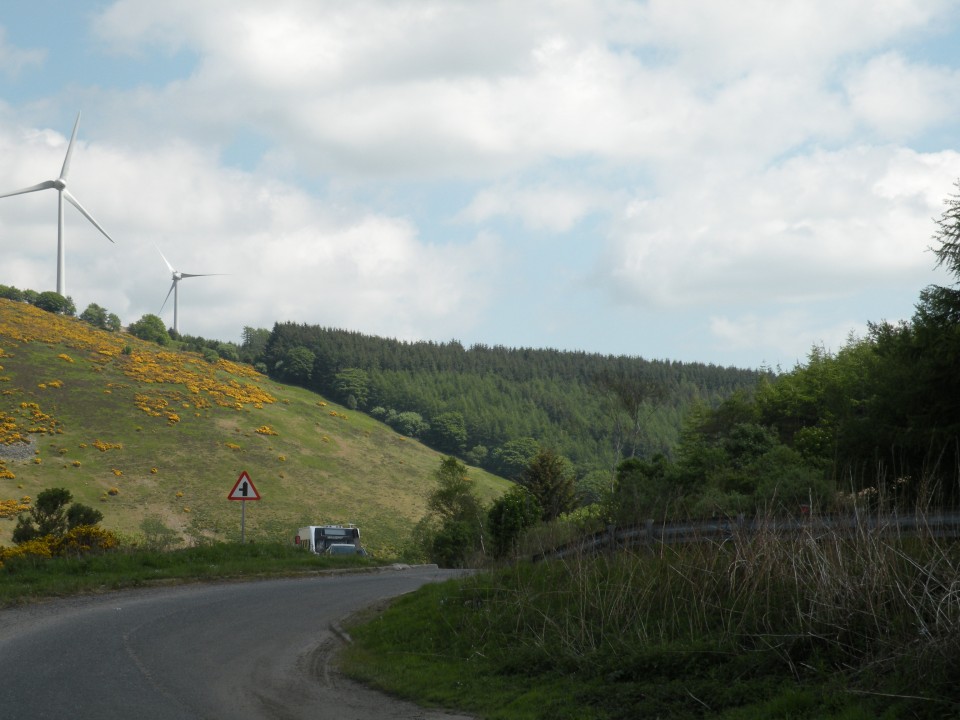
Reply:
x=138, y=431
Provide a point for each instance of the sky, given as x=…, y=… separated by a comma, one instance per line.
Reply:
x=729, y=183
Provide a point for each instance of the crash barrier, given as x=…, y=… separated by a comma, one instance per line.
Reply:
x=935, y=524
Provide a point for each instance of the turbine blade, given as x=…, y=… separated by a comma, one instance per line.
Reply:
x=172, y=286
x=88, y=216
x=165, y=260
x=183, y=275
x=66, y=160
x=33, y=188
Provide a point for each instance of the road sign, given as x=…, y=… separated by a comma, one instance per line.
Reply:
x=244, y=489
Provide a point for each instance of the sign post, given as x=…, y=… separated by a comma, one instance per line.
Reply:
x=243, y=491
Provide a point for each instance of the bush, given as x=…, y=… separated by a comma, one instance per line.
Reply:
x=157, y=536
x=150, y=328
x=51, y=517
x=55, y=303
x=11, y=293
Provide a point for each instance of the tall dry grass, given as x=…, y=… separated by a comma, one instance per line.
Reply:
x=870, y=602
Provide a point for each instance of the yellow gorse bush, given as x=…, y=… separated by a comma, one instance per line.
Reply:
x=11, y=508
x=104, y=446
x=223, y=383
x=81, y=540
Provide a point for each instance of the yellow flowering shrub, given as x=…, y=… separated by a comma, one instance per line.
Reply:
x=39, y=548
x=224, y=383
x=85, y=539
x=266, y=430
x=11, y=508
x=104, y=446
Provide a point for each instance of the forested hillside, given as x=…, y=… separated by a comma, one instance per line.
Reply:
x=494, y=405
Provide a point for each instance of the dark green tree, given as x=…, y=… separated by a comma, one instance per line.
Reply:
x=11, y=293
x=150, y=328
x=298, y=365
x=79, y=514
x=48, y=516
x=454, y=497
x=253, y=344
x=642, y=489
x=511, y=458
x=55, y=303
x=550, y=479
x=407, y=423
x=947, y=235
x=448, y=432
x=455, y=515
x=352, y=383
x=509, y=516
x=452, y=543
x=100, y=318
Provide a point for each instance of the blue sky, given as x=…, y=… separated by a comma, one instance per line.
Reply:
x=729, y=183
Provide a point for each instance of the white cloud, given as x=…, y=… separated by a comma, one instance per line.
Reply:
x=730, y=151
x=550, y=207
x=714, y=41
x=288, y=257
x=786, y=337
x=898, y=99
x=823, y=225
x=13, y=59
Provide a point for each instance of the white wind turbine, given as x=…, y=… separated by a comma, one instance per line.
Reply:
x=175, y=289
x=60, y=185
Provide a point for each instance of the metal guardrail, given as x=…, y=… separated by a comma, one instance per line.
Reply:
x=935, y=524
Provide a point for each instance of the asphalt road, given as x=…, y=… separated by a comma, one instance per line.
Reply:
x=231, y=650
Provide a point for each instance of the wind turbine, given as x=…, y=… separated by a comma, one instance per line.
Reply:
x=175, y=288
x=60, y=185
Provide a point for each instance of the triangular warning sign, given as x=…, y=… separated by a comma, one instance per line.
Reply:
x=244, y=489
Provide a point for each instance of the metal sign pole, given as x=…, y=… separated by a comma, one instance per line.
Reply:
x=242, y=491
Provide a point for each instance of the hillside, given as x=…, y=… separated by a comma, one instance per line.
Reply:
x=476, y=402
x=138, y=431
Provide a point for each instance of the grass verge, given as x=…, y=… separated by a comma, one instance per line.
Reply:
x=30, y=577
x=847, y=626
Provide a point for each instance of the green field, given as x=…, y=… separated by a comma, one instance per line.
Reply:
x=138, y=431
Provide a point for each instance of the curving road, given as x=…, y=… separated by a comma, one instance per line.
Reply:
x=232, y=650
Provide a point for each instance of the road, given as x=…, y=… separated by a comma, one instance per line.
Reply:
x=236, y=651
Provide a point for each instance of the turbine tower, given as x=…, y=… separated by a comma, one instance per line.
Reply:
x=60, y=185
x=175, y=289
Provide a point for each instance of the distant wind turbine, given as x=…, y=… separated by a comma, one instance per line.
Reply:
x=60, y=185
x=175, y=289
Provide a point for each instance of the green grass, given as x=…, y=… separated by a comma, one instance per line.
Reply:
x=840, y=627
x=337, y=466
x=28, y=578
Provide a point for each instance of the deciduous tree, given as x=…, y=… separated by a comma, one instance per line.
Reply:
x=150, y=328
